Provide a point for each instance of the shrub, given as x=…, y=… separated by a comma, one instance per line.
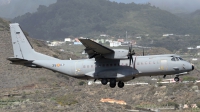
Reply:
x=81, y=83
x=68, y=99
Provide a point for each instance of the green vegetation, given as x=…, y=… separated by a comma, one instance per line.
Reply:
x=176, y=106
x=81, y=83
x=188, y=78
x=90, y=18
x=68, y=99
x=9, y=101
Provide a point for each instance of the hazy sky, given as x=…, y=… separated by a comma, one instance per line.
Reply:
x=129, y=1
x=13, y=8
x=173, y=6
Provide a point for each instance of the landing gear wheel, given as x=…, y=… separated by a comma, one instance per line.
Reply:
x=176, y=79
x=120, y=84
x=104, y=81
x=112, y=83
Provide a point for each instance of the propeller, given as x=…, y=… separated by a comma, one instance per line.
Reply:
x=130, y=54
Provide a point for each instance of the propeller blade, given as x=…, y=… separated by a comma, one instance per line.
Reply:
x=130, y=54
x=132, y=59
x=143, y=51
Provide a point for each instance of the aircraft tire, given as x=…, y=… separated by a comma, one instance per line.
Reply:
x=176, y=79
x=120, y=84
x=104, y=81
x=112, y=83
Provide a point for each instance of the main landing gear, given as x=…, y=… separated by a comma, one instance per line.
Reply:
x=112, y=83
x=104, y=81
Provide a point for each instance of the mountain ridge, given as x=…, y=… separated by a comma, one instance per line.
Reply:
x=90, y=18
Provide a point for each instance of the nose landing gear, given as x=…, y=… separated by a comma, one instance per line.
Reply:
x=104, y=81
x=176, y=79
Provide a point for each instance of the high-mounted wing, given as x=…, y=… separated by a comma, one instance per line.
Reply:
x=94, y=49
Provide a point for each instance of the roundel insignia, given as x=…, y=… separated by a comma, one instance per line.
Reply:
x=58, y=65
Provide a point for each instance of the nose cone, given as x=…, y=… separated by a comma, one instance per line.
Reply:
x=192, y=67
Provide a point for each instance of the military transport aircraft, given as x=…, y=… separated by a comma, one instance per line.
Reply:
x=115, y=66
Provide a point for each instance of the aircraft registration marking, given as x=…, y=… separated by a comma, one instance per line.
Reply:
x=58, y=65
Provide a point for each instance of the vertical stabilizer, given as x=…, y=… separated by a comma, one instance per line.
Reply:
x=22, y=47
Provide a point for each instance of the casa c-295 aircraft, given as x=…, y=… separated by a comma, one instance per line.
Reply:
x=115, y=66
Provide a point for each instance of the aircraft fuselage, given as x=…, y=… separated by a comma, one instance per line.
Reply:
x=119, y=69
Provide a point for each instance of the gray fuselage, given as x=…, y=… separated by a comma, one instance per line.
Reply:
x=119, y=69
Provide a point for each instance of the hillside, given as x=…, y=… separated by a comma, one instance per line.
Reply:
x=195, y=17
x=90, y=18
x=3, y=25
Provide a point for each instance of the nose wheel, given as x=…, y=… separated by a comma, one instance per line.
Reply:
x=176, y=79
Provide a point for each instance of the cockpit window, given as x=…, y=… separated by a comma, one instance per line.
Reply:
x=181, y=59
x=173, y=59
x=177, y=59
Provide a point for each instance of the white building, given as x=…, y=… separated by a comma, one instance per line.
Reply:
x=115, y=44
x=190, y=48
x=198, y=47
x=166, y=35
x=103, y=35
x=68, y=39
x=56, y=43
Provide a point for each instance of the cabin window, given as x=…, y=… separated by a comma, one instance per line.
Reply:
x=91, y=66
x=83, y=66
x=88, y=66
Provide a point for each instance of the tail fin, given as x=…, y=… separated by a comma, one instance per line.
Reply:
x=22, y=47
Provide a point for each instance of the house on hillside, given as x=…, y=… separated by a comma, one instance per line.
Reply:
x=115, y=44
x=56, y=43
x=100, y=41
x=68, y=39
x=120, y=40
x=103, y=35
x=198, y=47
x=167, y=35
